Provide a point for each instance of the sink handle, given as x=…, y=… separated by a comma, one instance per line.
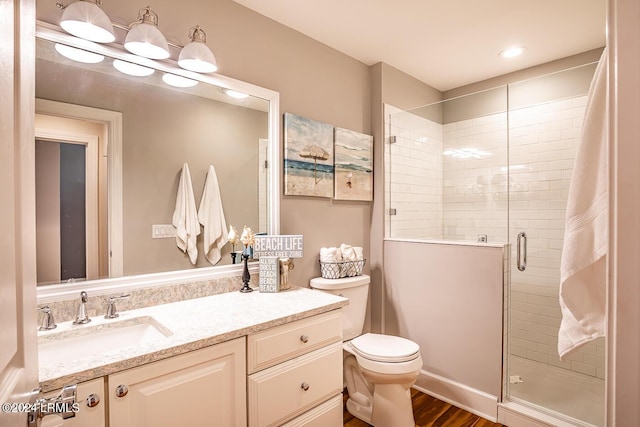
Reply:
x=47, y=319
x=112, y=311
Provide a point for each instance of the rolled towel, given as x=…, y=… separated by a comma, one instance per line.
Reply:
x=332, y=254
x=359, y=256
x=348, y=254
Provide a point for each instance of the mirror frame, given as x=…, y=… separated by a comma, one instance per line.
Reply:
x=65, y=291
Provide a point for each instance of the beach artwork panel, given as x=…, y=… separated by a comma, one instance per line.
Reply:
x=308, y=157
x=353, y=165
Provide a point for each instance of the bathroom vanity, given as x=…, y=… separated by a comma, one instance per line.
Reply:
x=232, y=359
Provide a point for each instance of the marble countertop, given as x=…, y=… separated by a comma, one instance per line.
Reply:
x=193, y=324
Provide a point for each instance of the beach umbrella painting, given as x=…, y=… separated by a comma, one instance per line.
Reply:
x=308, y=157
x=316, y=153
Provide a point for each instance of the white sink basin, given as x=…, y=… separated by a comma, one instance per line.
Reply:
x=88, y=340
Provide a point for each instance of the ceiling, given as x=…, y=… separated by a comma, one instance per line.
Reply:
x=445, y=43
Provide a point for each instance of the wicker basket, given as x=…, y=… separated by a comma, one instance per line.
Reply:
x=336, y=270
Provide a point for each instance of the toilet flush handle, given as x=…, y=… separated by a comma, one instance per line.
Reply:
x=304, y=338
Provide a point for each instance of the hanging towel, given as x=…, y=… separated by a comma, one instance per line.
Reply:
x=583, y=261
x=185, y=216
x=211, y=216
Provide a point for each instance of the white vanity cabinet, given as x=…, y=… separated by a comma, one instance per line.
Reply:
x=295, y=373
x=204, y=387
x=90, y=396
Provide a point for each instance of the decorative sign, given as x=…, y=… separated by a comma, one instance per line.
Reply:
x=287, y=246
x=269, y=274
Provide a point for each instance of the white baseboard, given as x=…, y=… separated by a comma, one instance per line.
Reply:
x=472, y=400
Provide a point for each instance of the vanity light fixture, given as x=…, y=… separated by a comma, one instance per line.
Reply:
x=86, y=20
x=196, y=56
x=132, y=69
x=78, y=55
x=512, y=52
x=235, y=94
x=144, y=37
x=178, y=81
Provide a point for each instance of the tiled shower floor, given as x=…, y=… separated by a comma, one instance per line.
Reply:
x=570, y=393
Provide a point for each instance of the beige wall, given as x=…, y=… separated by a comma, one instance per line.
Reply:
x=453, y=313
x=388, y=86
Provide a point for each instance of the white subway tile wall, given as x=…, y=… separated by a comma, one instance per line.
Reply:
x=413, y=165
x=455, y=182
x=543, y=142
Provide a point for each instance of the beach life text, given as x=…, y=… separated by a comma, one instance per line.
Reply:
x=284, y=246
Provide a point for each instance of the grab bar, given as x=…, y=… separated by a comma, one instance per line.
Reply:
x=522, y=254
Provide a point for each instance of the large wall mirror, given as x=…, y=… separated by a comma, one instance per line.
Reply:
x=112, y=137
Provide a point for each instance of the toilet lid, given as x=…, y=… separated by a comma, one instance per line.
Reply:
x=385, y=348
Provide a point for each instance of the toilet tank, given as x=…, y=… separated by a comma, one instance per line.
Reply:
x=356, y=289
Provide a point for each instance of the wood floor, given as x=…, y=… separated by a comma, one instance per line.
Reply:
x=429, y=411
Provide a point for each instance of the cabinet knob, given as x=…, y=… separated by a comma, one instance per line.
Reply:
x=304, y=386
x=304, y=339
x=122, y=390
x=93, y=400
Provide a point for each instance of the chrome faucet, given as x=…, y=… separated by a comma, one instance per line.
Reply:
x=47, y=322
x=82, y=317
x=112, y=312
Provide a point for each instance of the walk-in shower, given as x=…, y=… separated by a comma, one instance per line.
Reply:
x=495, y=167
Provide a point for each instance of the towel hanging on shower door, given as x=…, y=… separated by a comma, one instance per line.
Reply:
x=583, y=262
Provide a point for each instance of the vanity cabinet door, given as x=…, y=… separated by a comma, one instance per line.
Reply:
x=289, y=389
x=202, y=388
x=86, y=394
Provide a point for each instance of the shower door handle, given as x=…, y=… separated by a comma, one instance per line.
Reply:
x=522, y=251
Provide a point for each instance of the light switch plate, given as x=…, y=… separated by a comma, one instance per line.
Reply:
x=162, y=231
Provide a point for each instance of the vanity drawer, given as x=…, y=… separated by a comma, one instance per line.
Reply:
x=287, y=390
x=273, y=346
x=326, y=414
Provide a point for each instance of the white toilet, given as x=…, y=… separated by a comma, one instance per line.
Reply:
x=379, y=369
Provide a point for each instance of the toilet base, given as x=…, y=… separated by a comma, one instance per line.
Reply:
x=381, y=400
x=391, y=407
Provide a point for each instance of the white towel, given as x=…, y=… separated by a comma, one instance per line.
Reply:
x=348, y=254
x=330, y=254
x=583, y=262
x=211, y=216
x=185, y=216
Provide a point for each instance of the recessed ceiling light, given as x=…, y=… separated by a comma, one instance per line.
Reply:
x=512, y=52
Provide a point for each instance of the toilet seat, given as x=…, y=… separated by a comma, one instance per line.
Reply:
x=385, y=348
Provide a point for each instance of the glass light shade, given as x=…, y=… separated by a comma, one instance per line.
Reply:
x=86, y=20
x=196, y=56
x=235, y=94
x=132, y=69
x=178, y=81
x=147, y=40
x=78, y=55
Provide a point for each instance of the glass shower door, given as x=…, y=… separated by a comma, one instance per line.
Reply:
x=543, y=142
